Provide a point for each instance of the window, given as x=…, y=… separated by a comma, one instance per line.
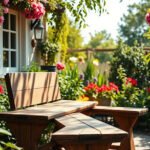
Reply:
x=9, y=36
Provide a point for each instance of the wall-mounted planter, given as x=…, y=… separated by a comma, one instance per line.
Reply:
x=49, y=68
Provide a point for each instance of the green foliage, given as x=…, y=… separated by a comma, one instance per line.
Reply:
x=6, y=141
x=4, y=102
x=74, y=38
x=60, y=32
x=133, y=24
x=33, y=67
x=129, y=95
x=101, y=40
x=47, y=134
x=90, y=72
x=132, y=60
x=79, y=9
x=71, y=85
x=48, y=51
x=101, y=79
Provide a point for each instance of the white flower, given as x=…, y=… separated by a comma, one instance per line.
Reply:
x=96, y=62
x=73, y=59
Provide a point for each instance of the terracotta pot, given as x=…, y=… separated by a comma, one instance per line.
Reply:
x=104, y=101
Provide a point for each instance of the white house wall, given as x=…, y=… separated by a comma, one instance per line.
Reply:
x=26, y=54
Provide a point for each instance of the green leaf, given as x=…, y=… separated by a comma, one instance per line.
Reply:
x=4, y=132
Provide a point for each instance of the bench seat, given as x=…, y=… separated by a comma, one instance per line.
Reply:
x=79, y=131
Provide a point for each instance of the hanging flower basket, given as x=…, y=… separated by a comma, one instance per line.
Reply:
x=35, y=10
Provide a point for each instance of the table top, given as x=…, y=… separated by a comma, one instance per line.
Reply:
x=50, y=110
x=127, y=110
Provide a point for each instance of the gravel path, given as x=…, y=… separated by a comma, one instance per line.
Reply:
x=142, y=141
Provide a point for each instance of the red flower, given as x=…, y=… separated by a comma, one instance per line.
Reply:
x=1, y=89
x=147, y=18
x=131, y=81
x=91, y=86
x=148, y=89
x=113, y=87
x=60, y=66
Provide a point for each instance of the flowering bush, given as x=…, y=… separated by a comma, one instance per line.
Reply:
x=107, y=91
x=95, y=92
x=91, y=90
x=130, y=95
x=34, y=11
x=4, y=103
x=3, y=9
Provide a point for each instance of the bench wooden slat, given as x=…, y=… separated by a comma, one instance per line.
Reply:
x=27, y=89
x=82, y=128
x=32, y=80
x=36, y=96
x=49, y=110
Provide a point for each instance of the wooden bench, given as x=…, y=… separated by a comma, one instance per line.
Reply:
x=83, y=132
x=35, y=101
x=125, y=118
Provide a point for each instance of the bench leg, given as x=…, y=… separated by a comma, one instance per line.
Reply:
x=127, y=123
x=27, y=135
x=87, y=146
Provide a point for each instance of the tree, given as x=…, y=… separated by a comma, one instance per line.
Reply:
x=74, y=39
x=101, y=40
x=133, y=25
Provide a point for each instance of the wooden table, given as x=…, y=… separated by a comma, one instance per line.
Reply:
x=28, y=124
x=125, y=118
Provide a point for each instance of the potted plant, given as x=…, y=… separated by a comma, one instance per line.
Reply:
x=48, y=54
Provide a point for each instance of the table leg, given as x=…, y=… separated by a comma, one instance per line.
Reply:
x=27, y=135
x=126, y=123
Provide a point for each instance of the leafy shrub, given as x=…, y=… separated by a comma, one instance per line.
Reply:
x=89, y=72
x=132, y=60
x=6, y=141
x=33, y=67
x=130, y=95
x=71, y=85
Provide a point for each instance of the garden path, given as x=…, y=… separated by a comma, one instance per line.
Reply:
x=142, y=141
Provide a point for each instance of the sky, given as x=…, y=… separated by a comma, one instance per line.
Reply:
x=108, y=22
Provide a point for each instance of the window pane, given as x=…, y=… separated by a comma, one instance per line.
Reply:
x=13, y=59
x=6, y=21
x=13, y=22
x=5, y=40
x=13, y=41
x=5, y=58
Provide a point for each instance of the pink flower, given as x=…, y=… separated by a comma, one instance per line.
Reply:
x=6, y=2
x=1, y=90
x=147, y=18
x=60, y=66
x=6, y=10
x=1, y=20
x=36, y=11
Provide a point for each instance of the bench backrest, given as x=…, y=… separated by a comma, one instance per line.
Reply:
x=28, y=89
